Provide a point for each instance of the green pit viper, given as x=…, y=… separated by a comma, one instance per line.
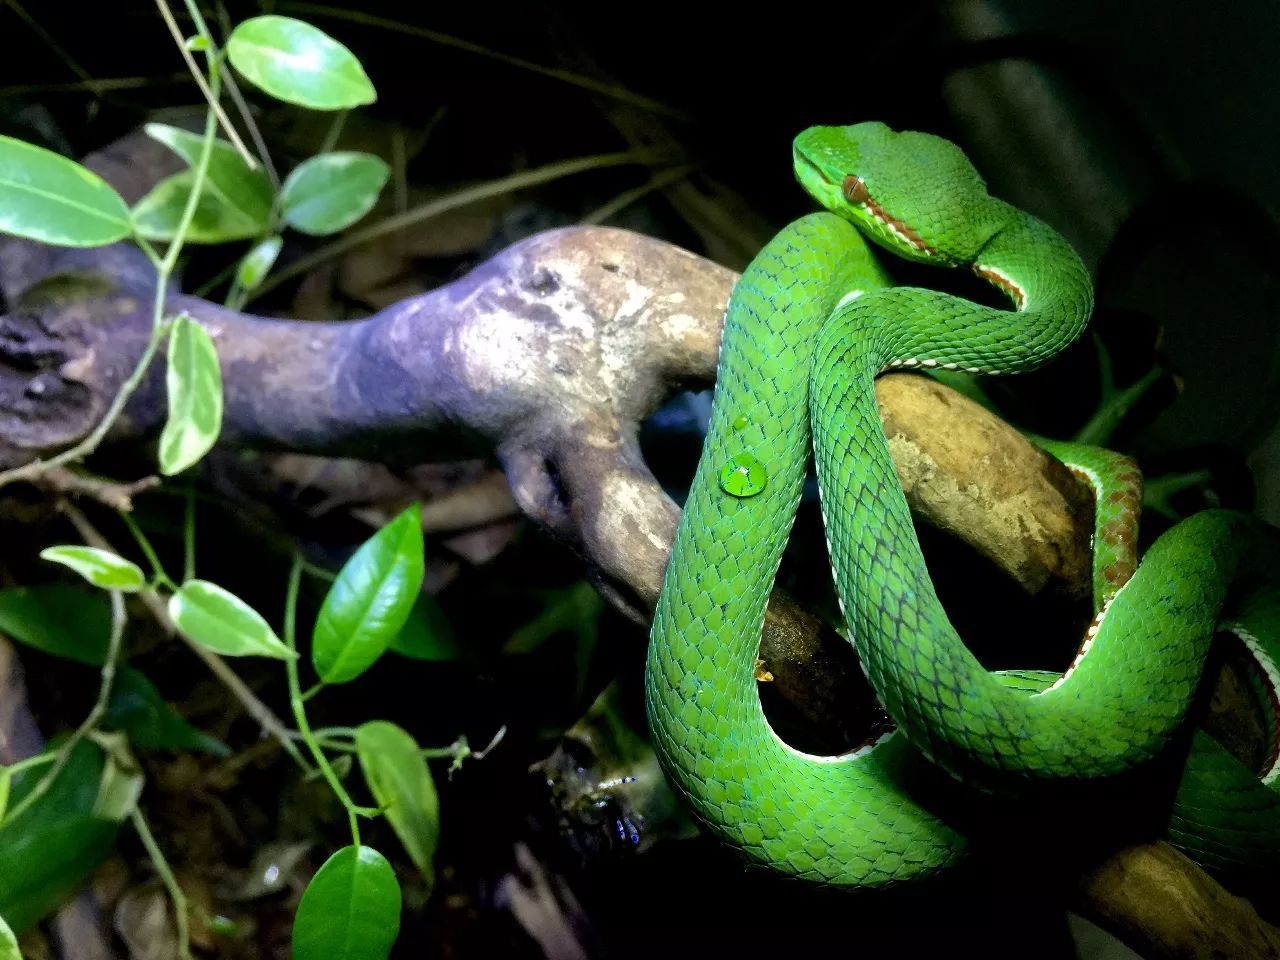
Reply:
x=810, y=324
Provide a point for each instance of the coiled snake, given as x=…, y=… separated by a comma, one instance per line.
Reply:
x=810, y=324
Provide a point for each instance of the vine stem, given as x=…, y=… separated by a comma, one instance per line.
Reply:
x=170, y=882
x=459, y=198
x=299, y=706
x=260, y=712
x=208, y=88
x=159, y=326
x=95, y=716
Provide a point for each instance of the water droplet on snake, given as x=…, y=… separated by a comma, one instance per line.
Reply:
x=743, y=476
x=740, y=422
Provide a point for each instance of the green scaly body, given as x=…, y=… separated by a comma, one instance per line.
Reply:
x=810, y=324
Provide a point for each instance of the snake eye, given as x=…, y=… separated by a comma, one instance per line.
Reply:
x=855, y=189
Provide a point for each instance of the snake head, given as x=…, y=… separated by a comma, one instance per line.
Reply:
x=913, y=193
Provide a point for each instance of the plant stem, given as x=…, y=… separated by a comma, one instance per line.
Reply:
x=217, y=666
x=207, y=87
x=659, y=181
x=459, y=198
x=299, y=707
x=159, y=327
x=613, y=91
x=168, y=879
x=157, y=571
x=189, y=536
x=95, y=715
x=1114, y=408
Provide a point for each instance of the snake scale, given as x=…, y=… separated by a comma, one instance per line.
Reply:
x=811, y=323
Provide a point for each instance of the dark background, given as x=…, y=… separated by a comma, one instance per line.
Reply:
x=1145, y=132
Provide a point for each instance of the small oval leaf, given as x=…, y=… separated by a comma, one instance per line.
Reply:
x=46, y=197
x=350, y=910
x=370, y=601
x=8, y=943
x=227, y=176
x=157, y=215
x=102, y=568
x=58, y=618
x=330, y=192
x=194, y=380
x=257, y=263
x=218, y=619
x=400, y=781
x=298, y=63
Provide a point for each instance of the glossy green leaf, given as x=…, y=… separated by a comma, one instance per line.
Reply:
x=49, y=850
x=102, y=568
x=8, y=943
x=298, y=63
x=330, y=192
x=427, y=634
x=400, y=781
x=218, y=619
x=257, y=263
x=350, y=910
x=46, y=197
x=227, y=177
x=137, y=708
x=370, y=601
x=58, y=618
x=157, y=215
x=194, y=380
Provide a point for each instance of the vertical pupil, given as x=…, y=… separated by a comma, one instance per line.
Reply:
x=855, y=190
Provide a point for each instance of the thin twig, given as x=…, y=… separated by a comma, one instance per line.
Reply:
x=179, y=899
x=660, y=180
x=613, y=91
x=95, y=87
x=459, y=198
x=90, y=722
x=114, y=494
x=217, y=666
x=210, y=97
x=159, y=327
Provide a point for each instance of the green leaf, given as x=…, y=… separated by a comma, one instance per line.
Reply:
x=58, y=618
x=6, y=783
x=350, y=910
x=427, y=634
x=257, y=263
x=330, y=192
x=157, y=215
x=8, y=943
x=218, y=619
x=137, y=709
x=194, y=380
x=228, y=177
x=49, y=850
x=298, y=63
x=370, y=601
x=46, y=197
x=102, y=568
x=398, y=777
